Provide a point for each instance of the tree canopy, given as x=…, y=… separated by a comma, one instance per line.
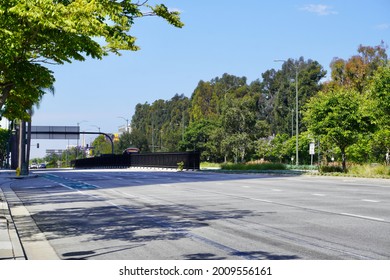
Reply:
x=38, y=32
x=339, y=117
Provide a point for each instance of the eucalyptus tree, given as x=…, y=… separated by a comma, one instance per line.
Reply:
x=309, y=74
x=357, y=71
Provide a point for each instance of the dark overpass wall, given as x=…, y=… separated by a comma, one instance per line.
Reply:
x=191, y=160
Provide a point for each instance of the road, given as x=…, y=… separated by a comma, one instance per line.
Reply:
x=136, y=214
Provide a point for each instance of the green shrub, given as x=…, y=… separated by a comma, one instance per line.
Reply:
x=180, y=165
x=261, y=166
x=209, y=165
x=370, y=170
x=330, y=169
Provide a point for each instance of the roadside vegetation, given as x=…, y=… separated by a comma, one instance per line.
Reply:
x=354, y=170
x=229, y=119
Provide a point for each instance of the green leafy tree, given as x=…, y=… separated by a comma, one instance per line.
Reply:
x=197, y=137
x=101, y=145
x=339, y=116
x=204, y=102
x=162, y=123
x=36, y=32
x=135, y=139
x=280, y=147
x=278, y=97
x=380, y=94
x=4, y=144
x=241, y=127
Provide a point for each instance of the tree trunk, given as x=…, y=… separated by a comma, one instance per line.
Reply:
x=4, y=94
x=29, y=139
x=344, y=157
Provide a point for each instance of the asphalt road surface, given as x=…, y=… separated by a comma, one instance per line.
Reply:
x=136, y=214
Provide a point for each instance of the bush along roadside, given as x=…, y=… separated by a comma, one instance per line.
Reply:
x=247, y=167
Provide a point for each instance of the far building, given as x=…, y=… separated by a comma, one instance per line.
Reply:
x=124, y=128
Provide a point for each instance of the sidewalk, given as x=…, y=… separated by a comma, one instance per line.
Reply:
x=10, y=246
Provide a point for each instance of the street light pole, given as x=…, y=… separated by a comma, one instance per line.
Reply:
x=77, y=147
x=127, y=123
x=296, y=108
x=96, y=127
x=296, y=115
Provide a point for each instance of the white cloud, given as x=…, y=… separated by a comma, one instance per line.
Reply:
x=319, y=9
x=383, y=26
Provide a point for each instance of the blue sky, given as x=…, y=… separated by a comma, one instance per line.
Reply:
x=242, y=38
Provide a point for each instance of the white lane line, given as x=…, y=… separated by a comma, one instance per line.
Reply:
x=363, y=217
x=318, y=194
x=262, y=200
x=370, y=200
x=277, y=190
x=245, y=187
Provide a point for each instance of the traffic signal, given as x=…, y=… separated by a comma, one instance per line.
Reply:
x=38, y=145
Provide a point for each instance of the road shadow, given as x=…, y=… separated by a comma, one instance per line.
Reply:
x=92, y=219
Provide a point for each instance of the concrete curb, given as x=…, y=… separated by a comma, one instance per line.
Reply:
x=10, y=245
x=35, y=246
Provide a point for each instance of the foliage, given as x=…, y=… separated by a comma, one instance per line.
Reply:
x=101, y=145
x=206, y=164
x=240, y=128
x=4, y=143
x=339, y=116
x=161, y=125
x=356, y=72
x=380, y=94
x=198, y=136
x=180, y=165
x=330, y=168
x=263, y=166
x=38, y=32
x=134, y=139
x=370, y=170
x=278, y=96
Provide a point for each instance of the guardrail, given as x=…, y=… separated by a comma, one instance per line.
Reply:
x=191, y=160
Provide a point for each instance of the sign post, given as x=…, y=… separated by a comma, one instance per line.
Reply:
x=312, y=151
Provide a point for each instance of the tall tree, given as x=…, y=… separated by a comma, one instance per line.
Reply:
x=380, y=94
x=356, y=72
x=241, y=128
x=204, y=101
x=279, y=88
x=101, y=145
x=340, y=116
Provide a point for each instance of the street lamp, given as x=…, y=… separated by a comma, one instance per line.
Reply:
x=96, y=127
x=127, y=123
x=77, y=147
x=296, y=105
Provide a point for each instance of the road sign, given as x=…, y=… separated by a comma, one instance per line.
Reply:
x=55, y=132
x=312, y=149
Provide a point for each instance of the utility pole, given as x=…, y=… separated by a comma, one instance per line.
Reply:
x=296, y=67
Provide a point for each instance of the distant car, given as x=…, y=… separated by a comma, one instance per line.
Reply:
x=42, y=165
x=34, y=166
x=129, y=151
